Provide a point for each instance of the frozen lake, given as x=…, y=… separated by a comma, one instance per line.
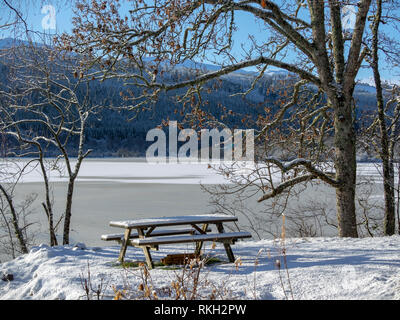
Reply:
x=121, y=189
x=115, y=189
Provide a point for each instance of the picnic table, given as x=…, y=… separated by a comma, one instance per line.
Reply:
x=150, y=233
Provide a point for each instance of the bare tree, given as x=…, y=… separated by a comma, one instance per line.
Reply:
x=382, y=134
x=14, y=237
x=141, y=45
x=14, y=221
x=48, y=105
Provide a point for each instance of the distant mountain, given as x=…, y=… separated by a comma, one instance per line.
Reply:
x=248, y=76
x=368, y=85
x=7, y=43
x=111, y=134
x=188, y=65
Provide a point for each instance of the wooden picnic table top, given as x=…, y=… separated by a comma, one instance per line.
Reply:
x=172, y=221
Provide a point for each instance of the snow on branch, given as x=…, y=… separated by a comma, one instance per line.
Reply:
x=307, y=165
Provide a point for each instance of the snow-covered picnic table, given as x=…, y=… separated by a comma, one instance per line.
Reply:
x=152, y=232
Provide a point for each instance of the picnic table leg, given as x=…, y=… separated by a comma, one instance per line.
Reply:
x=146, y=251
x=199, y=245
x=227, y=246
x=147, y=255
x=124, y=245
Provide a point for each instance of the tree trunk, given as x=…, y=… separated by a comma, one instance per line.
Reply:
x=345, y=165
x=49, y=210
x=339, y=92
x=68, y=211
x=390, y=212
x=17, y=230
x=398, y=200
x=387, y=163
x=48, y=207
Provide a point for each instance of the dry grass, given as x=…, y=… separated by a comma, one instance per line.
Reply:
x=187, y=282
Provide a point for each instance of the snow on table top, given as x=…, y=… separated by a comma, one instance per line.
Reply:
x=171, y=221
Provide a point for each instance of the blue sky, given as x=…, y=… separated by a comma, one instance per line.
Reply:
x=38, y=15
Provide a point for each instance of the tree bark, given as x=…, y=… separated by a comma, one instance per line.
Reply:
x=338, y=85
x=68, y=211
x=17, y=230
x=387, y=162
x=345, y=165
x=48, y=207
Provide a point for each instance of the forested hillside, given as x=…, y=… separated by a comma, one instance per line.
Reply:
x=116, y=131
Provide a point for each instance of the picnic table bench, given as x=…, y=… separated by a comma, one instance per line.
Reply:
x=148, y=237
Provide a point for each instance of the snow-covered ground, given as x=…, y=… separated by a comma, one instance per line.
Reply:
x=318, y=268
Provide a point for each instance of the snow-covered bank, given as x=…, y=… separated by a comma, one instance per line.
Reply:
x=319, y=268
x=140, y=172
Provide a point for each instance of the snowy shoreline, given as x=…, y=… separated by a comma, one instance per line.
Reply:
x=138, y=171
x=319, y=269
